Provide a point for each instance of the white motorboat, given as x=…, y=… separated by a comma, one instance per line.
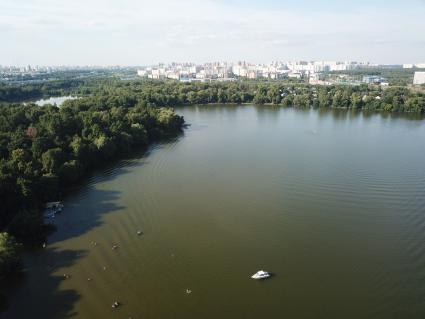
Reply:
x=261, y=275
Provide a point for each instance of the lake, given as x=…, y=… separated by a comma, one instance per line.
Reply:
x=54, y=100
x=331, y=202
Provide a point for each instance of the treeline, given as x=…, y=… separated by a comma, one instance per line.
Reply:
x=162, y=93
x=18, y=93
x=45, y=149
x=396, y=76
x=65, y=75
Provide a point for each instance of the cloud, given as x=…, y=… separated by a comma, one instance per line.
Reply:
x=196, y=30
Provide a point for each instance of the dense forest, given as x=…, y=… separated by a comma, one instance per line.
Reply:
x=173, y=93
x=65, y=75
x=44, y=149
x=164, y=93
x=395, y=76
x=15, y=93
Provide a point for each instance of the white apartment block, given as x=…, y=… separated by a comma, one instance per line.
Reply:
x=142, y=73
x=419, y=78
x=224, y=70
x=411, y=66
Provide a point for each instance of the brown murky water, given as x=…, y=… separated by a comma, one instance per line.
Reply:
x=332, y=203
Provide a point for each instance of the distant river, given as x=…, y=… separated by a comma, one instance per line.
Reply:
x=54, y=100
x=331, y=202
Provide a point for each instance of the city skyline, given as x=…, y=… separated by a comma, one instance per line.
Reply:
x=47, y=32
x=409, y=64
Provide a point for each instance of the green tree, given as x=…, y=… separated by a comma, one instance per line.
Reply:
x=9, y=254
x=324, y=98
x=356, y=100
x=52, y=159
x=71, y=171
x=337, y=100
x=105, y=145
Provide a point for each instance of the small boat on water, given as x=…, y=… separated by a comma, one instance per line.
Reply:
x=261, y=275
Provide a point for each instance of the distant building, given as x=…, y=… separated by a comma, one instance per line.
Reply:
x=239, y=70
x=314, y=78
x=295, y=75
x=224, y=70
x=157, y=74
x=374, y=79
x=194, y=69
x=419, y=78
x=252, y=75
x=173, y=75
x=411, y=66
x=142, y=72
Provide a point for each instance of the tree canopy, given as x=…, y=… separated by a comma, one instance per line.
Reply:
x=9, y=254
x=45, y=149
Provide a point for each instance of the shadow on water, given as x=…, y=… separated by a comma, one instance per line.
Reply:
x=86, y=204
x=84, y=211
x=36, y=293
x=6, y=284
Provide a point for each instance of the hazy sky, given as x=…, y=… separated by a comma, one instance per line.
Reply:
x=139, y=32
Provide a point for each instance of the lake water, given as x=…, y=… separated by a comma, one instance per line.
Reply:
x=331, y=202
x=54, y=100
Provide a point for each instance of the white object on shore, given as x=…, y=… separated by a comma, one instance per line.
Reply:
x=261, y=275
x=52, y=208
